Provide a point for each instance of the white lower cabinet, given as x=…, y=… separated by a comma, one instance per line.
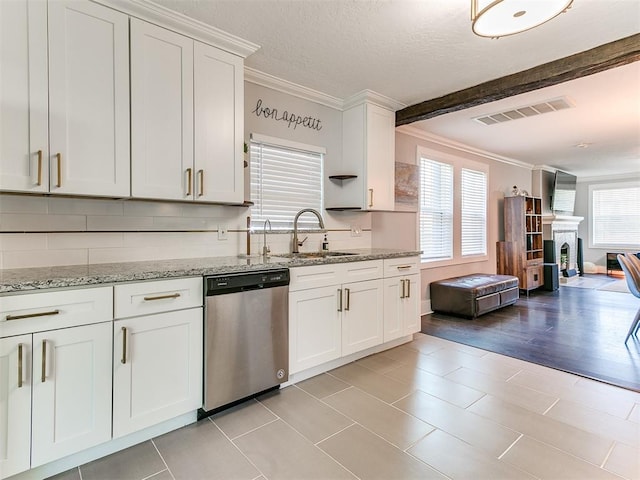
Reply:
x=340, y=309
x=157, y=352
x=55, y=375
x=315, y=329
x=157, y=369
x=15, y=404
x=401, y=306
x=329, y=319
x=71, y=391
x=362, y=316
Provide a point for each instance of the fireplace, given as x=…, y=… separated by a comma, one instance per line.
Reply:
x=563, y=230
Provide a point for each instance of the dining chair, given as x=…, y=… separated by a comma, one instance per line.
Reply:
x=632, y=275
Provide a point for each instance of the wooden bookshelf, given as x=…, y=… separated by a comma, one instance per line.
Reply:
x=521, y=252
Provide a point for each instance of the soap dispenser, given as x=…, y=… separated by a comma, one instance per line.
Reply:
x=325, y=243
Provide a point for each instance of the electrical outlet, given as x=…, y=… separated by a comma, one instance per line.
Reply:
x=356, y=231
x=223, y=233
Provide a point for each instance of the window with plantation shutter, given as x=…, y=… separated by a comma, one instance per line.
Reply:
x=615, y=215
x=436, y=210
x=473, y=235
x=285, y=178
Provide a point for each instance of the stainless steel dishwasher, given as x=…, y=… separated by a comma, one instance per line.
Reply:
x=246, y=336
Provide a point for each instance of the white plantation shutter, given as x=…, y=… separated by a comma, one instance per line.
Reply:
x=436, y=210
x=285, y=180
x=474, y=212
x=615, y=215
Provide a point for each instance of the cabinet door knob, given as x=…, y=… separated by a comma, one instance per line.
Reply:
x=43, y=375
x=59, y=159
x=189, y=181
x=39, y=182
x=123, y=360
x=19, y=365
x=201, y=175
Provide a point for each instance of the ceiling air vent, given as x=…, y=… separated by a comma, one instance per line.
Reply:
x=525, y=111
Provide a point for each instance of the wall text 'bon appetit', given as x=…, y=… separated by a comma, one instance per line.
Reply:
x=291, y=119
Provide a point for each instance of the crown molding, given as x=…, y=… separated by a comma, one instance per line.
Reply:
x=264, y=79
x=631, y=176
x=369, y=96
x=164, y=17
x=445, y=142
x=545, y=168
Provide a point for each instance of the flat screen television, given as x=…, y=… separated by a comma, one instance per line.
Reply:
x=563, y=196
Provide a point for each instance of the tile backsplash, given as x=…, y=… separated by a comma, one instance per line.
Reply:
x=49, y=231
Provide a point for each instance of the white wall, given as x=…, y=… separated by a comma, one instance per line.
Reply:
x=398, y=229
x=596, y=256
x=50, y=231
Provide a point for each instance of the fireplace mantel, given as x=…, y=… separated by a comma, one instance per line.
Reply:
x=562, y=222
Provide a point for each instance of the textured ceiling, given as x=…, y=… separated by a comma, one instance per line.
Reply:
x=408, y=50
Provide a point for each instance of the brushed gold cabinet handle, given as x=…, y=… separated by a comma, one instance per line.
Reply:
x=339, y=299
x=348, y=293
x=402, y=295
x=32, y=315
x=59, y=157
x=408, y=288
x=39, y=168
x=189, y=179
x=371, y=197
x=162, y=297
x=403, y=267
x=19, y=365
x=43, y=376
x=201, y=175
x=123, y=360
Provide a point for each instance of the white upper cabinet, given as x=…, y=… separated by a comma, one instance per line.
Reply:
x=87, y=116
x=89, y=99
x=219, y=125
x=24, y=126
x=161, y=113
x=368, y=153
x=187, y=118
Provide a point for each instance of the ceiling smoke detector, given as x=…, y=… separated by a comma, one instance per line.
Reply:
x=525, y=111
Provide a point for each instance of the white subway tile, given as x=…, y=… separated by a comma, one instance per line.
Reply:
x=85, y=206
x=163, y=239
x=22, y=204
x=15, y=222
x=184, y=223
x=62, y=241
x=152, y=209
x=116, y=223
x=23, y=241
x=43, y=258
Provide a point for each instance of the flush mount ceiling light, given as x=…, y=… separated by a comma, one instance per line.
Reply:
x=499, y=18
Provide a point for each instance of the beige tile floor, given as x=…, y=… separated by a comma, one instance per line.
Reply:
x=428, y=409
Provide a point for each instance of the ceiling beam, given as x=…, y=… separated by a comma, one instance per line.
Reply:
x=610, y=55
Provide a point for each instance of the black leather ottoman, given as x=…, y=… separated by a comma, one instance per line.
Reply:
x=473, y=295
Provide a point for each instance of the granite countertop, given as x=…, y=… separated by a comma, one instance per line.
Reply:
x=30, y=279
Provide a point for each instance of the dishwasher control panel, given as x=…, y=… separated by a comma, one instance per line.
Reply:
x=239, y=282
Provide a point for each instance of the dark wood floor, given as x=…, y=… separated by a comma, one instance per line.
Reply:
x=577, y=330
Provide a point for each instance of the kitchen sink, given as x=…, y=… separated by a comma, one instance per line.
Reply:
x=316, y=254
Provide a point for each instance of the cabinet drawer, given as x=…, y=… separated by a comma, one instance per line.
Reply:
x=158, y=296
x=315, y=276
x=361, y=271
x=533, y=277
x=395, y=267
x=37, y=312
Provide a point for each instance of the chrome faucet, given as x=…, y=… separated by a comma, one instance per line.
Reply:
x=297, y=244
x=265, y=249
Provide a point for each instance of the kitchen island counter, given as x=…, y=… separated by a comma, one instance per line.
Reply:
x=30, y=279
